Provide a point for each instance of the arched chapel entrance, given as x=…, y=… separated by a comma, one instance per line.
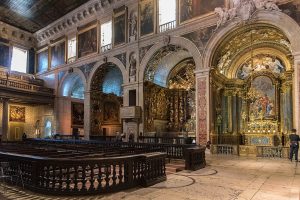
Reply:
x=169, y=93
x=251, y=90
x=106, y=98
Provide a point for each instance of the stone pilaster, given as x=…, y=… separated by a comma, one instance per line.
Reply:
x=296, y=92
x=5, y=120
x=87, y=115
x=202, y=106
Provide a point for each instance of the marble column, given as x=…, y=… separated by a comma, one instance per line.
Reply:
x=202, y=106
x=5, y=120
x=87, y=115
x=296, y=92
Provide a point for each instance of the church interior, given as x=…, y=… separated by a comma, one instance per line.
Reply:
x=149, y=99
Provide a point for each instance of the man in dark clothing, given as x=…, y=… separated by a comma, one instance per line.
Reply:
x=294, y=144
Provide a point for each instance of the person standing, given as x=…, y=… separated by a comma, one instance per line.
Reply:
x=294, y=145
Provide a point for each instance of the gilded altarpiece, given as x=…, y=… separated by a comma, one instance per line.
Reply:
x=171, y=109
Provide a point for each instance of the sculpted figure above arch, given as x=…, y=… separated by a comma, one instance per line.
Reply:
x=244, y=9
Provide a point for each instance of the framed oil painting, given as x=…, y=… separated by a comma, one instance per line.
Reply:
x=58, y=56
x=119, y=26
x=4, y=55
x=42, y=61
x=77, y=111
x=147, y=17
x=16, y=114
x=189, y=9
x=264, y=105
x=87, y=41
x=111, y=111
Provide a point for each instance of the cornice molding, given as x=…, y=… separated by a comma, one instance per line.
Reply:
x=80, y=16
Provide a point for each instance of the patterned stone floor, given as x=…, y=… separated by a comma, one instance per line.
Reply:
x=225, y=178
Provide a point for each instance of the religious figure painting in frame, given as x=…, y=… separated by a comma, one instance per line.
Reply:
x=147, y=13
x=120, y=27
x=189, y=9
x=264, y=105
x=58, y=54
x=87, y=41
x=4, y=54
x=42, y=61
x=77, y=114
x=111, y=111
x=16, y=114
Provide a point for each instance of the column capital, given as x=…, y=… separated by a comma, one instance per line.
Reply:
x=202, y=72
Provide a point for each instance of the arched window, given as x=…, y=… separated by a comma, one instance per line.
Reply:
x=48, y=129
x=112, y=83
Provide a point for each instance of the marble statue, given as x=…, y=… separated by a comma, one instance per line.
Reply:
x=132, y=69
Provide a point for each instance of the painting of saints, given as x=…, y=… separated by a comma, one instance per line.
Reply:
x=147, y=17
x=119, y=29
x=87, y=42
x=194, y=8
x=263, y=106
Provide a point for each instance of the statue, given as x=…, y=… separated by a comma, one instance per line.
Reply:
x=266, y=5
x=133, y=26
x=132, y=68
x=244, y=9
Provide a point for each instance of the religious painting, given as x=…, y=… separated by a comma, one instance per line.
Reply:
x=87, y=42
x=119, y=25
x=77, y=114
x=263, y=106
x=147, y=13
x=190, y=9
x=111, y=111
x=16, y=114
x=42, y=61
x=58, y=54
x=261, y=62
x=4, y=55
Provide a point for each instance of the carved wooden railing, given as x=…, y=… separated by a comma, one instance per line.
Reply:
x=71, y=176
x=190, y=153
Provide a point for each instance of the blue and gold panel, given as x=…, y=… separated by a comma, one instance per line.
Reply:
x=42, y=61
x=260, y=141
x=58, y=54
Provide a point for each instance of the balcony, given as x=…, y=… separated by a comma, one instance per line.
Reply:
x=132, y=112
x=167, y=26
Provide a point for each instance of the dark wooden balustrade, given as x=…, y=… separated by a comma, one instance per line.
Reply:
x=193, y=155
x=73, y=175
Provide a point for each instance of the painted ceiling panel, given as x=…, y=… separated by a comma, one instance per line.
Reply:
x=33, y=15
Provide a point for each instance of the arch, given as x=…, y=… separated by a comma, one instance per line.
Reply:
x=71, y=77
x=275, y=18
x=179, y=41
x=115, y=61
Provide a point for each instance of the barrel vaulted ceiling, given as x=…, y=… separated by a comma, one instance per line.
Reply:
x=33, y=15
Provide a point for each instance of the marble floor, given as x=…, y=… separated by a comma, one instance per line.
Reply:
x=225, y=177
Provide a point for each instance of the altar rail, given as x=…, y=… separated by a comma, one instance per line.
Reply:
x=166, y=140
x=67, y=176
x=272, y=152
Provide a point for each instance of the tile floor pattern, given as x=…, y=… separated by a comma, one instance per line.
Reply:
x=225, y=177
